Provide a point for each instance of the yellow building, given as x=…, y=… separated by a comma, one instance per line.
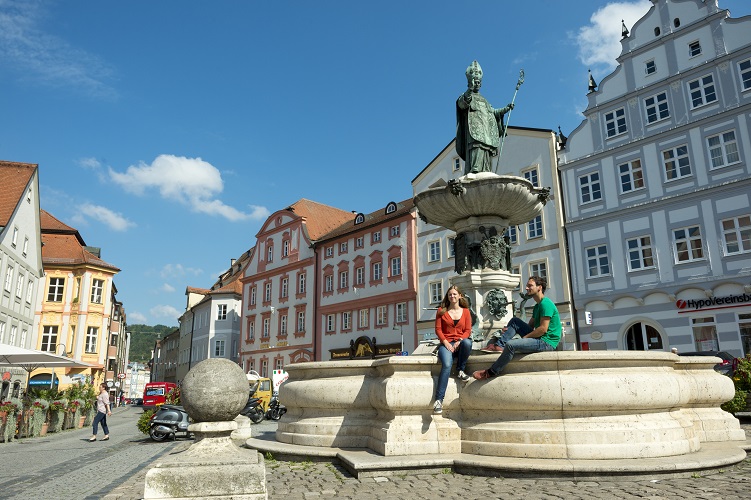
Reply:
x=74, y=309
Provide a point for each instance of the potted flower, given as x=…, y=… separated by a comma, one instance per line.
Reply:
x=89, y=409
x=8, y=410
x=38, y=419
x=57, y=415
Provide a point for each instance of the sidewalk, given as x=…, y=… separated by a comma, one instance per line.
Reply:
x=311, y=480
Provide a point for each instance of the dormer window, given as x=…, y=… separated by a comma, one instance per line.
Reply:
x=359, y=219
x=694, y=49
x=391, y=208
x=457, y=164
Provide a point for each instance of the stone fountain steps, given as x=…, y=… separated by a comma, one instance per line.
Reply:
x=363, y=463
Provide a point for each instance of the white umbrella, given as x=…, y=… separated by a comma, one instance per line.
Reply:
x=11, y=355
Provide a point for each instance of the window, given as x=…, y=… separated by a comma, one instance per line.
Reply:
x=283, y=325
x=436, y=292
x=639, y=253
x=346, y=320
x=301, y=321
x=49, y=339
x=694, y=49
x=534, y=228
x=13, y=333
x=381, y=315
x=19, y=285
x=329, y=285
x=330, y=322
x=687, y=244
x=14, y=240
x=615, y=122
x=301, y=284
x=396, y=266
x=219, y=348
x=270, y=254
x=221, y=312
x=723, y=149
x=394, y=232
x=364, y=320
x=265, y=368
x=457, y=164
x=676, y=163
x=705, y=334
x=376, y=271
x=657, y=107
x=285, y=287
x=434, y=251
x=702, y=91
x=253, y=296
x=359, y=219
x=343, y=247
x=532, y=176
x=113, y=340
x=266, y=331
x=401, y=312
x=736, y=233
x=649, y=67
x=8, y=278
x=359, y=242
x=360, y=275
x=451, y=251
x=285, y=248
x=96, y=291
x=2, y=333
x=251, y=330
x=631, y=176
x=744, y=67
x=25, y=246
x=598, y=263
x=538, y=269
x=267, y=292
x=55, y=292
x=376, y=237
x=329, y=251
x=589, y=187
x=343, y=279
x=91, y=337
x=29, y=291
x=512, y=235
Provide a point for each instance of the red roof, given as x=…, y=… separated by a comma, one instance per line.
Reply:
x=14, y=177
x=320, y=218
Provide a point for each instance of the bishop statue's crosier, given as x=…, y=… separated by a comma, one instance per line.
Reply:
x=479, y=127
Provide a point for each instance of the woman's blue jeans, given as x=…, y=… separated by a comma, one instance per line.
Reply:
x=101, y=417
x=447, y=360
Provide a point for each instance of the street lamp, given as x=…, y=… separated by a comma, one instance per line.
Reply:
x=401, y=333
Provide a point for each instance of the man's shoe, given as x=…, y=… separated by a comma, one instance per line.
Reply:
x=481, y=374
x=492, y=348
x=438, y=407
x=462, y=376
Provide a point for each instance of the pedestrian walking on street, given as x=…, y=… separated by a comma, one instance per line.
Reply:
x=102, y=411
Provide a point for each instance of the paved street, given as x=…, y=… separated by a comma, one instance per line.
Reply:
x=66, y=466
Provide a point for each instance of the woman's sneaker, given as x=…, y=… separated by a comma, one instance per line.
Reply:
x=462, y=376
x=438, y=407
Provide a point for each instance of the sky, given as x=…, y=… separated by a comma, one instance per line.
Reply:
x=167, y=132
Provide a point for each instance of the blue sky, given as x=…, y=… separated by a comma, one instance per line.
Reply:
x=166, y=132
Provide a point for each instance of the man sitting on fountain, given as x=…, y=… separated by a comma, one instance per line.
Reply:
x=541, y=334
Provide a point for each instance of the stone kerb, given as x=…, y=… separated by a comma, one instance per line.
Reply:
x=575, y=405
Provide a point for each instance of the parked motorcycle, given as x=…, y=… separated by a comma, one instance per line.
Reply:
x=253, y=410
x=276, y=409
x=167, y=421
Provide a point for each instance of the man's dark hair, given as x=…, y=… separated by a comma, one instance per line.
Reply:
x=540, y=281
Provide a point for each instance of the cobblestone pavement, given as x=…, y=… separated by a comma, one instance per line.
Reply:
x=116, y=471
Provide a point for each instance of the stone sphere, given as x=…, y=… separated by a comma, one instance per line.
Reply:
x=214, y=390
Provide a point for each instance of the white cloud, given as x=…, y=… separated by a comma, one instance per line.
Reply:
x=166, y=287
x=190, y=181
x=162, y=311
x=114, y=221
x=136, y=318
x=90, y=163
x=600, y=41
x=177, y=270
x=44, y=58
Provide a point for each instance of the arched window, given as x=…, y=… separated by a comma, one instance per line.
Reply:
x=642, y=337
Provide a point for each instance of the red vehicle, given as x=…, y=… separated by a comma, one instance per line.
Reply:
x=154, y=393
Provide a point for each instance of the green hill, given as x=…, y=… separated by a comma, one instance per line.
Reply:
x=142, y=338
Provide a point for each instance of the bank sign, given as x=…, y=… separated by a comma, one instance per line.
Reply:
x=712, y=303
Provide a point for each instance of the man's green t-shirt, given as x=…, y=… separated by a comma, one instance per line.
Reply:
x=546, y=307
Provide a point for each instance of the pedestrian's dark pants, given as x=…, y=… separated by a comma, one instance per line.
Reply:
x=101, y=417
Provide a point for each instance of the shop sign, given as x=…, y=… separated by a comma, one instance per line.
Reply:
x=713, y=303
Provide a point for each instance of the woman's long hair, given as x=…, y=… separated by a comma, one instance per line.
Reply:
x=463, y=302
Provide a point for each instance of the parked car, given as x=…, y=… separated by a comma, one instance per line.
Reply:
x=727, y=367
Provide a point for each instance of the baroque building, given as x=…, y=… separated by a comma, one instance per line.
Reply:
x=658, y=184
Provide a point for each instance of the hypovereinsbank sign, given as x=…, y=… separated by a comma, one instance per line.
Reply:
x=690, y=305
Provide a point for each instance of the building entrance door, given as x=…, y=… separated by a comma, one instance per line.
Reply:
x=641, y=337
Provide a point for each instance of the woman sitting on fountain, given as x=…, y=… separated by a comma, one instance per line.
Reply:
x=453, y=326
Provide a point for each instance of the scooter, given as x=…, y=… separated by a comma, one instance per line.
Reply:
x=253, y=410
x=276, y=409
x=167, y=421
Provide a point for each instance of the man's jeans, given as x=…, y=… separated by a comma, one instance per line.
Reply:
x=513, y=345
x=447, y=360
